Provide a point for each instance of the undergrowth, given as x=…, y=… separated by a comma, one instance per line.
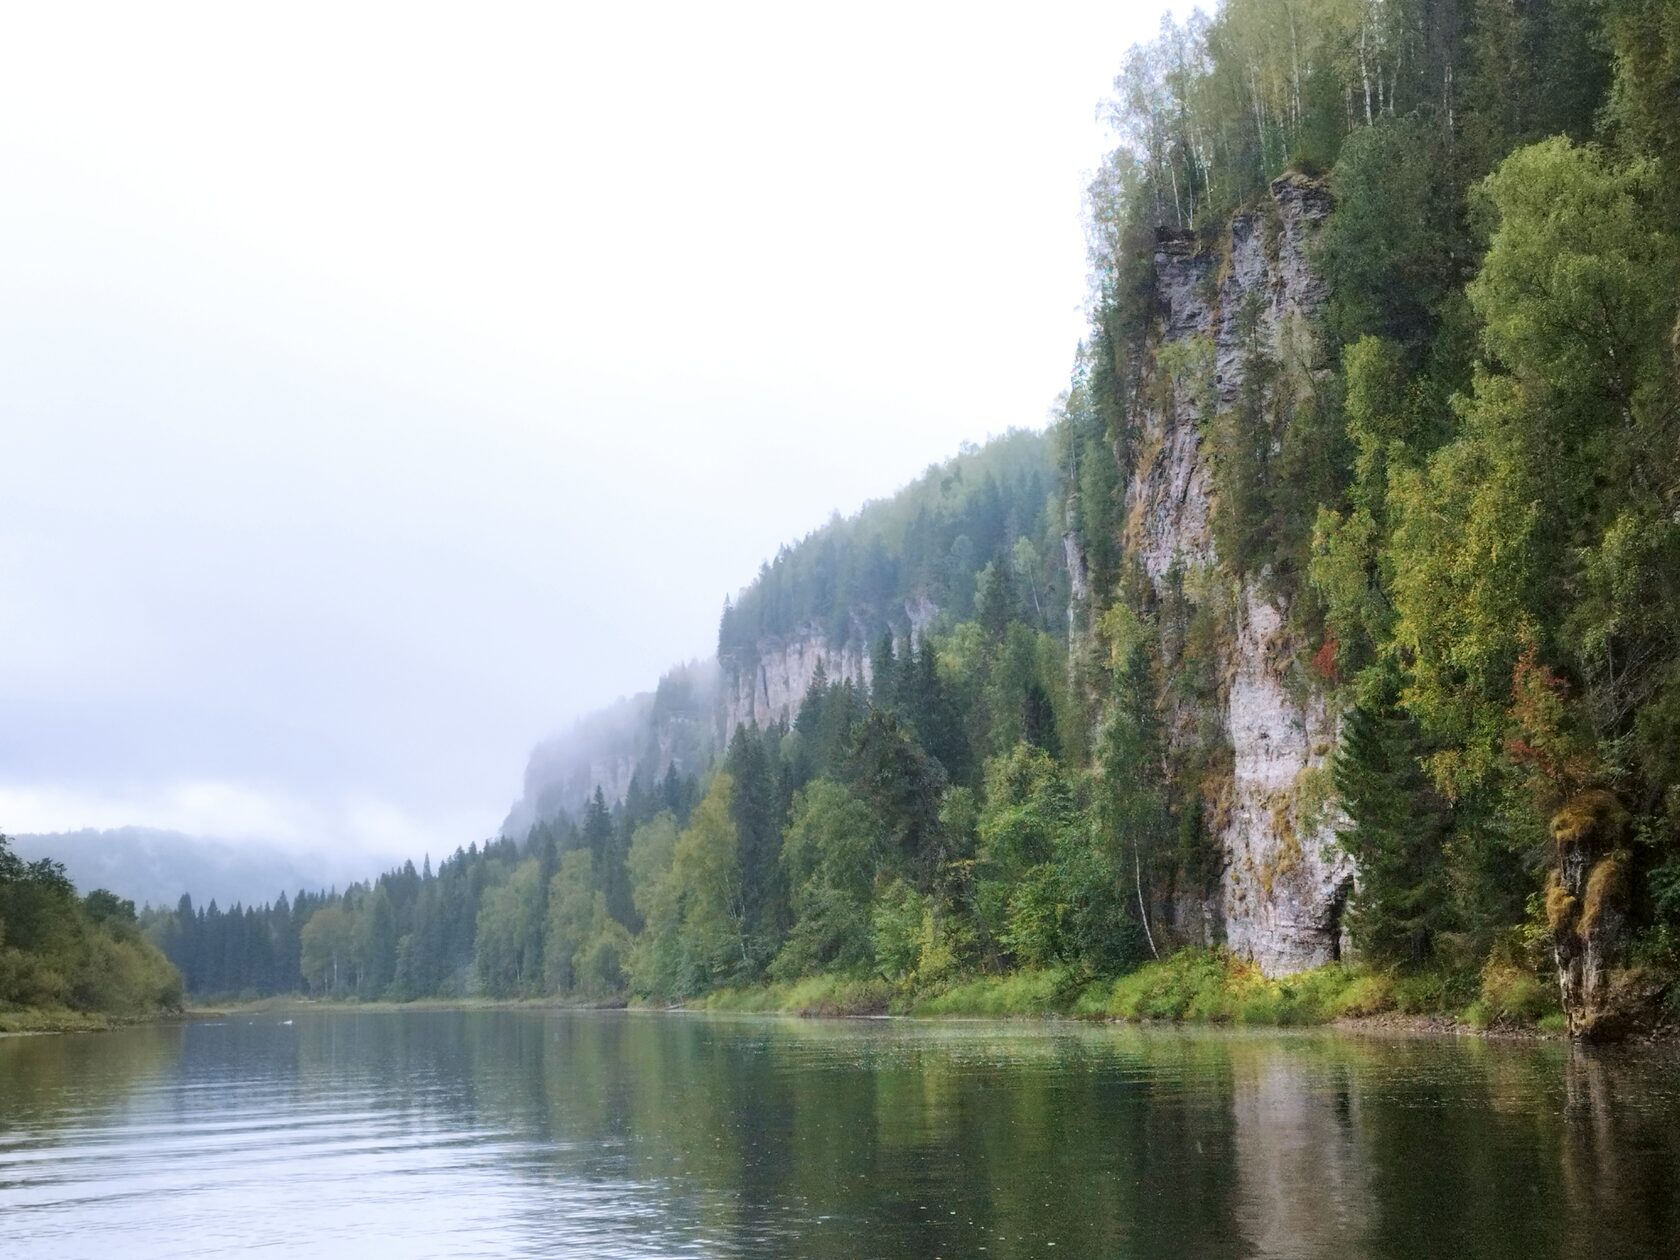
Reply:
x=1191, y=986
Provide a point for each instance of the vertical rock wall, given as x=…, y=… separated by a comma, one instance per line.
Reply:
x=1283, y=881
x=769, y=687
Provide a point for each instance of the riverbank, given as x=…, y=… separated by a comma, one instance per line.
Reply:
x=1191, y=987
x=292, y=1004
x=35, y=1021
x=1199, y=987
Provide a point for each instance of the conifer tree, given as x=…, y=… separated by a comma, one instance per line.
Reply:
x=1397, y=830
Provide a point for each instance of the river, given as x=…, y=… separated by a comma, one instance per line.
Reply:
x=614, y=1134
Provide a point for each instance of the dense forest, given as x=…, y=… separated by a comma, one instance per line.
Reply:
x=1461, y=487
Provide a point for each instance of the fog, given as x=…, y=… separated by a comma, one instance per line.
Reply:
x=384, y=387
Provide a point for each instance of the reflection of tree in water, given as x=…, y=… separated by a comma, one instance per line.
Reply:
x=921, y=1141
x=756, y=1137
x=47, y=1081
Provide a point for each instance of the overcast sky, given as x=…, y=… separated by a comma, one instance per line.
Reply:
x=383, y=387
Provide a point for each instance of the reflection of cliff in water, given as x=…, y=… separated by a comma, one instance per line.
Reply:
x=1299, y=1149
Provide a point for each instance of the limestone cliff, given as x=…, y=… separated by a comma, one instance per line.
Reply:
x=692, y=714
x=765, y=686
x=1282, y=881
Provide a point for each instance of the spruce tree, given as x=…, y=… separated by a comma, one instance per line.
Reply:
x=752, y=809
x=1397, y=830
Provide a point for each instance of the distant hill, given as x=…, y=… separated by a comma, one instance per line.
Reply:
x=156, y=867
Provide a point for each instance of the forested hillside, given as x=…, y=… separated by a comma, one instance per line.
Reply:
x=1342, y=635
x=944, y=539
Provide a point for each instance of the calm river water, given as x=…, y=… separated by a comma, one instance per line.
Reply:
x=511, y=1133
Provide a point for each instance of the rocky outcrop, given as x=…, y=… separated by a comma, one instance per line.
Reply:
x=1587, y=908
x=1285, y=882
x=1282, y=881
x=768, y=686
x=691, y=716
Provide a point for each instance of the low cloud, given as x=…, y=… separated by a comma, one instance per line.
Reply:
x=235, y=814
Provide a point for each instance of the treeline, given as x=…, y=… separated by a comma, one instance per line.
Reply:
x=975, y=520
x=852, y=838
x=61, y=952
x=466, y=928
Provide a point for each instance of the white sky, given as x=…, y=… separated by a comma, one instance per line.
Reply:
x=383, y=386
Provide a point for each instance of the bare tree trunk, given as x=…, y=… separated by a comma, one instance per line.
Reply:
x=1143, y=910
x=1365, y=69
x=1295, y=65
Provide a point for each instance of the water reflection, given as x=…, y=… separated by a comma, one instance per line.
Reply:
x=522, y=1132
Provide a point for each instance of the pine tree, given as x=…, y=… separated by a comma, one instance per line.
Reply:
x=752, y=809
x=883, y=673
x=597, y=827
x=1398, y=828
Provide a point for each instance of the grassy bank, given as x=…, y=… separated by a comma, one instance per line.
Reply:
x=1192, y=986
x=814, y=995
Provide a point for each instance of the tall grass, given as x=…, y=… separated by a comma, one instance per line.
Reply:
x=813, y=995
x=1212, y=987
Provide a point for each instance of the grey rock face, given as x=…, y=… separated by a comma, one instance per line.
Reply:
x=1283, y=881
x=644, y=734
x=768, y=689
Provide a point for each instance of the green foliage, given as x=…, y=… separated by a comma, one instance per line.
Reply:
x=508, y=940
x=1211, y=987
x=62, y=953
x=326, y=950
x=695, y=937
x=755, y=813
x=574, y=908
x=852, y=579
x=1390, y=254
x=827, y=995
x=1565, y=443
x=901, y=785
x=1512, y=995
x=896, y=930
x=829, y=859
x=1397, y=830
x=1644, y=44
x=651, y=852
x=1030, y=991
x=1048, y=892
